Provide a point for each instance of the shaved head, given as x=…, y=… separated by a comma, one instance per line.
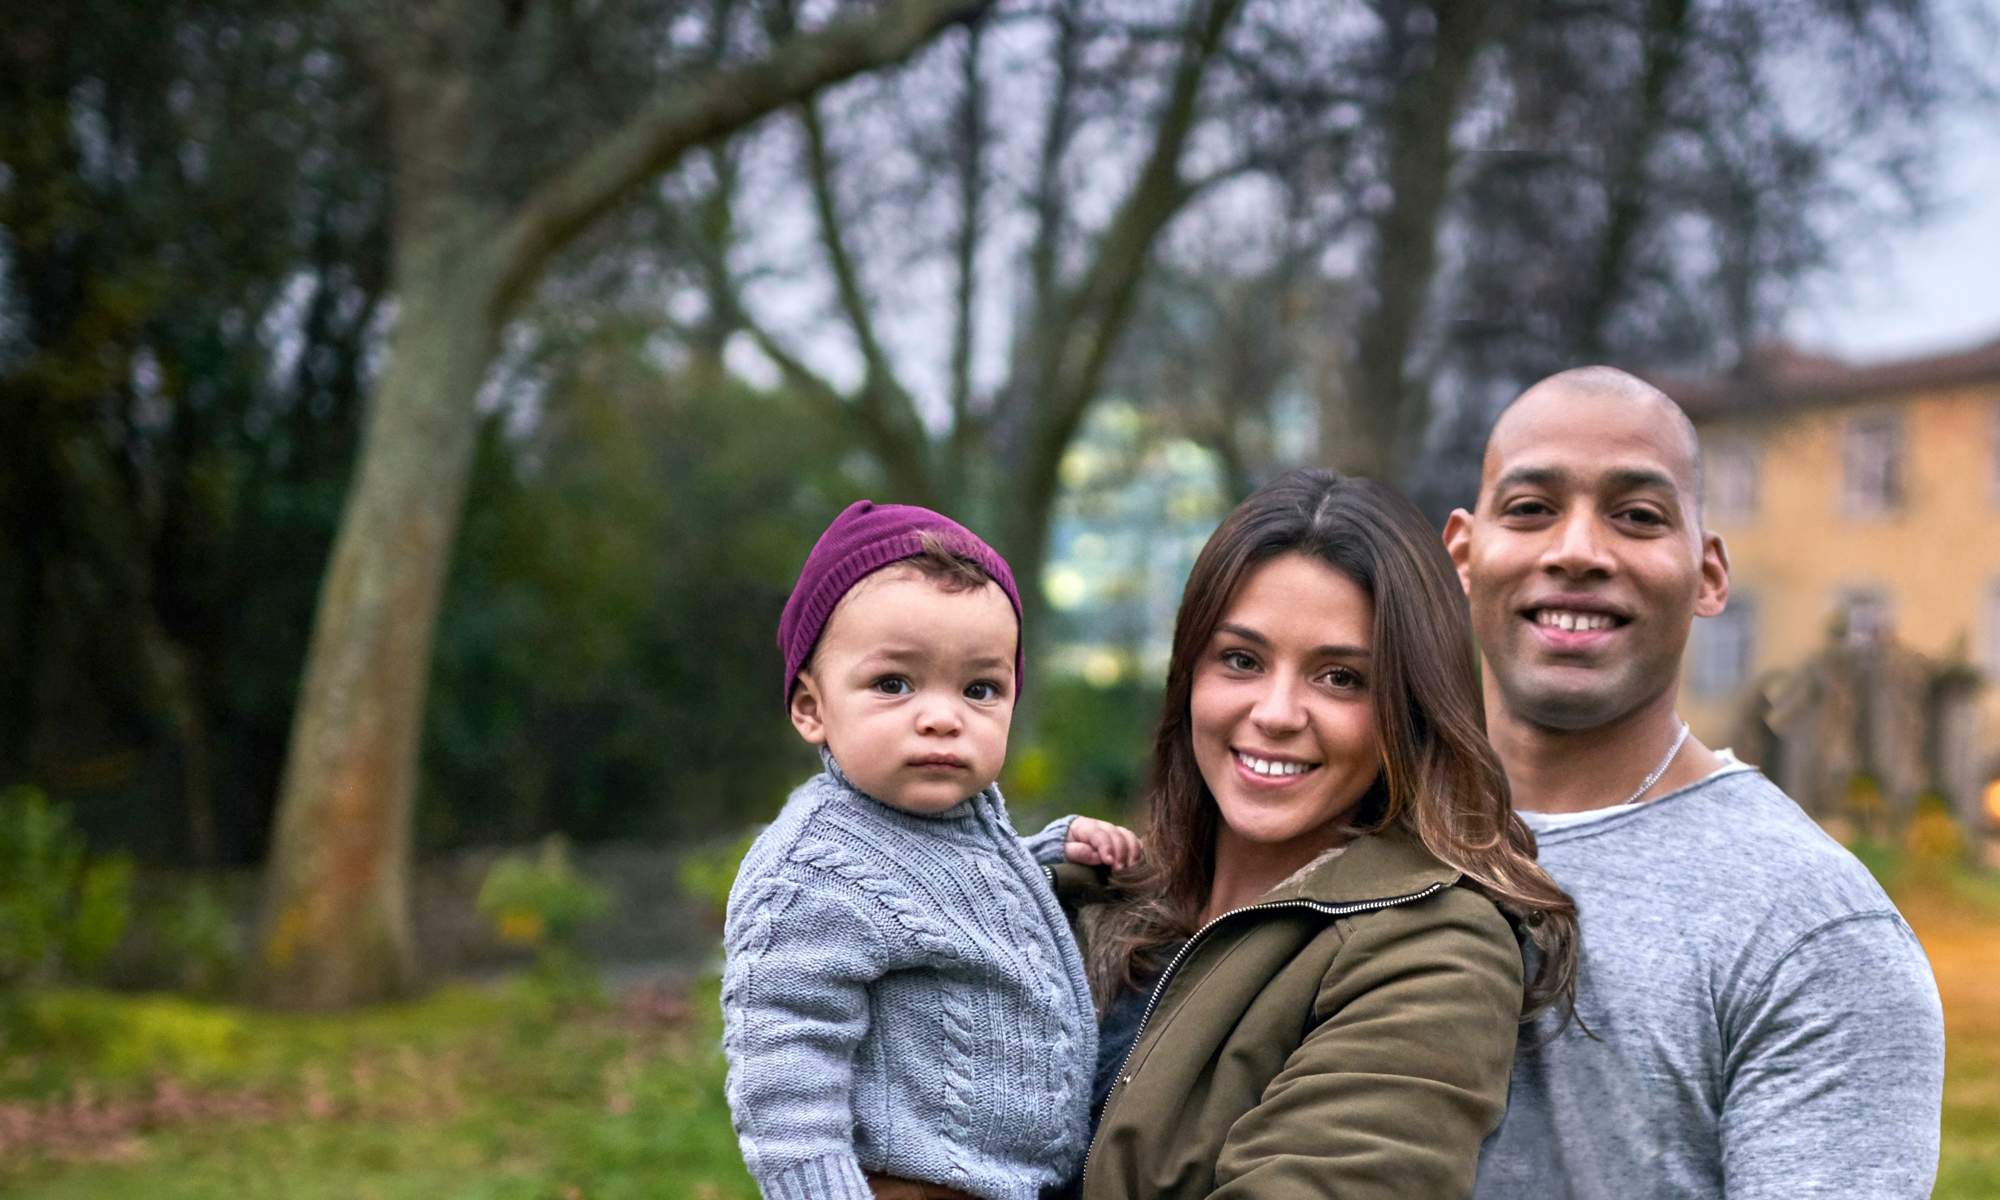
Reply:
x=1582, y=388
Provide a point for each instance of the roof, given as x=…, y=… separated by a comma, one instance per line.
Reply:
x=1785, y=377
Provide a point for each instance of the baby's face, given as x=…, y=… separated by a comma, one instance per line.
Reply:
x=912, y=688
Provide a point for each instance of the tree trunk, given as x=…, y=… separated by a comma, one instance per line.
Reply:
x=1077, y=339
x=177, y=694
x=1386, y=413
x=1627, y=193
x=336, y=914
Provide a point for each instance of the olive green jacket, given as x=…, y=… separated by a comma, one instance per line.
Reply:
x=1349, y=1036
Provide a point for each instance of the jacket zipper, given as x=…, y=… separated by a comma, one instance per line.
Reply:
x=1187, y=947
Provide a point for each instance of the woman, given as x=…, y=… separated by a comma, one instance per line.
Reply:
x=1311, y=987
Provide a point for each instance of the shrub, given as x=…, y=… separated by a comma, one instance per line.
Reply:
x=539, y=901
x=707, y=875
x=200, y=942
x=58, y=911
x=1933, y=837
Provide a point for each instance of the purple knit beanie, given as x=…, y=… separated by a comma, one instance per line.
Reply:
x=862, y=540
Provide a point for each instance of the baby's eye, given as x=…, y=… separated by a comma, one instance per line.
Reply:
x=893, y=685
x=983, y=691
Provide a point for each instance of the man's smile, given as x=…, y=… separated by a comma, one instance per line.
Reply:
x=1569, y=620
x=1574, y=622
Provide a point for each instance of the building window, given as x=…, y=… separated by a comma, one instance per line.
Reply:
x=1732, y=483
x=1990, y=626
x=1725, y=648
x=1872, y=461
x=1865, y=613
x=1993, y=441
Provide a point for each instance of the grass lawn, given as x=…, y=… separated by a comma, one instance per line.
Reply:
x=1959, y=925
x=459, y=1096
x=477, y=1094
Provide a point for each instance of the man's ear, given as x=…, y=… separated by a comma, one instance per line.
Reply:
x=1714, y=576
x=1458, y=544
x=808, y=715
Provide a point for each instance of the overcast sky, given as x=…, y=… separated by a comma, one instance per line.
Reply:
x=1936, y=287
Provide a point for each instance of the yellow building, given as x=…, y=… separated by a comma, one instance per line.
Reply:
x=1863, y=500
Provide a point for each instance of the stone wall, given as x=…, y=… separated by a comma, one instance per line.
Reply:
x=650, y=923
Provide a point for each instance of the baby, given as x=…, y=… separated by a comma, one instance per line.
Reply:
x=905, y=1010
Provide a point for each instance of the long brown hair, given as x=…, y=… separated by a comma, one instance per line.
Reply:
x=1440, y=778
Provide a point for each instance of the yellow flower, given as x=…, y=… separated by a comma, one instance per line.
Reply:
x=522, y=928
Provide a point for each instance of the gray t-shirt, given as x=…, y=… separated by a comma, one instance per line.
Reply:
x=1765, y=1024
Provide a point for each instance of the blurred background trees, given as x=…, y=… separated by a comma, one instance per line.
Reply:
x=653, y=347
x=194, y=210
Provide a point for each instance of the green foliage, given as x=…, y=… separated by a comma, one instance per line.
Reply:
x=61, y=1035
x=200, y=943
x=57, y=910
x=102, y=910
x=1884, y=860
x=540, y=901
x=1091, y=752
x=189, y=187
x=457, y=1106
x=606, y=661
x=113, y=1042
x=1904, y=870
x=707, y=875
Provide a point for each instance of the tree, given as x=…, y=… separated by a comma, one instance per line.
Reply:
x=1527, y=187
x=183, y=184
x=605, y=666
x=1428, y=52
x=1028, y=169
x=471, y=234
x=1649, y=186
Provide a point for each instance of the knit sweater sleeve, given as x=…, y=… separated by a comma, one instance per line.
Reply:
x=801, y=953
x=1046, y=845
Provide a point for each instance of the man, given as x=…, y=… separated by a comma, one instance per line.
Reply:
x=1756, y=1020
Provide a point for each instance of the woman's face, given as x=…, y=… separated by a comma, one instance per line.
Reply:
x=1282, y=711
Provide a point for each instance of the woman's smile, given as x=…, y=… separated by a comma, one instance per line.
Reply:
x=1271, y=769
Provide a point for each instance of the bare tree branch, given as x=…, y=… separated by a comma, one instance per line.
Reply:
x=907, y=474
x=971, y=148
x=846, y=280
x=1094, y=313
x=706, y=106
x=1420, y=116
x=883, y=399
x=1049, y=199
x=1096, y=308
x=1665, y=43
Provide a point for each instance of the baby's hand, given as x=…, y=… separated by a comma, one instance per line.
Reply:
x=1094, y=843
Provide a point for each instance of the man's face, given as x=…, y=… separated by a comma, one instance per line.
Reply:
x=1585, y=563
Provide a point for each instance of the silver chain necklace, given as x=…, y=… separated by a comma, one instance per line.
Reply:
x=1660, y=770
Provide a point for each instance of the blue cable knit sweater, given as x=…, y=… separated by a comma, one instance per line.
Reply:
x=902, y=995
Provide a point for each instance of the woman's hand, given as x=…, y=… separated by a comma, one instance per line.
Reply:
x=1094, y=843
